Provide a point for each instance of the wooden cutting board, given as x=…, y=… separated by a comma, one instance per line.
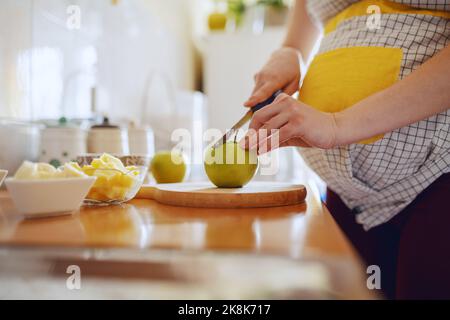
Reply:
x=206, y=195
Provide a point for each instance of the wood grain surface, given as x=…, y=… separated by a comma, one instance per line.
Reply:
x=206, y=195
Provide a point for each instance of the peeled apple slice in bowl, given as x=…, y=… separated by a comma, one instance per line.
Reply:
x=38, y=189
x=71, y=170
x=45, y=171
x=26, y=171
x=37, y=171
x=115, y=183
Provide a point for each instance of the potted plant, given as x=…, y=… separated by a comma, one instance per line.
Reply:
x=236, y=9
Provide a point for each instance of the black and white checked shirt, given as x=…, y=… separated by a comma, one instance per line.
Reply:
x=378, y=180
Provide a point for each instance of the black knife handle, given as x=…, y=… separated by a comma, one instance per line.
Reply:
x=266, y=102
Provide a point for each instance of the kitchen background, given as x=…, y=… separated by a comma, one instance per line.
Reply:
x=151, y=64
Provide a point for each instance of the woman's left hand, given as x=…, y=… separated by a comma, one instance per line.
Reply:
x=288, y=122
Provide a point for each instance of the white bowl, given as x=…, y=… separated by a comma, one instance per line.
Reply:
x=49, y=197
x=3, y=174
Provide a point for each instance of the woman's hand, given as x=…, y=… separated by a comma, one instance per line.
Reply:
x=282, y=71
x=293, y=124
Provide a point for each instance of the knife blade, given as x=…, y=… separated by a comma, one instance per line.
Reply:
x=247, y=117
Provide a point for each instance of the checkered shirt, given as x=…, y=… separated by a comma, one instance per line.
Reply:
x=378, y=180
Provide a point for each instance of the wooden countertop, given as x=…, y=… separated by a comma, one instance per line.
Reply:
x=289, y=231
x=298, y=232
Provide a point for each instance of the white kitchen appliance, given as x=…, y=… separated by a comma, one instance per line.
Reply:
x=62, y=144
x=108, y=138
x=141, y=140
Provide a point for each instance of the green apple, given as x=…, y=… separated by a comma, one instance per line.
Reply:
x=230, y=166
x=168, y=167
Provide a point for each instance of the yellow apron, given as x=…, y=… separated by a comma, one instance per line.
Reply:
x=340, y=78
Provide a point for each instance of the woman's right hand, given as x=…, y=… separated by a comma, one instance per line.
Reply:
x=282, y=71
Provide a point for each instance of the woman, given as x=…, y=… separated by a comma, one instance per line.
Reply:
x=373, y=120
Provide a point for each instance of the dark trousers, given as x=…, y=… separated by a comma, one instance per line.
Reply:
x=412, y=249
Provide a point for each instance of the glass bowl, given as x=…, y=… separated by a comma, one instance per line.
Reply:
x=127, y=160
x=114, y=186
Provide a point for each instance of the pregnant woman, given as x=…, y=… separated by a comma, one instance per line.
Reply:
x=373, y=121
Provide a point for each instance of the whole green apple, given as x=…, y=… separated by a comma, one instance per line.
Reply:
x=168, y=167
x=230, y=166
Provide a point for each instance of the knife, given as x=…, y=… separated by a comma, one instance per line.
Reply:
x=248, y=115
